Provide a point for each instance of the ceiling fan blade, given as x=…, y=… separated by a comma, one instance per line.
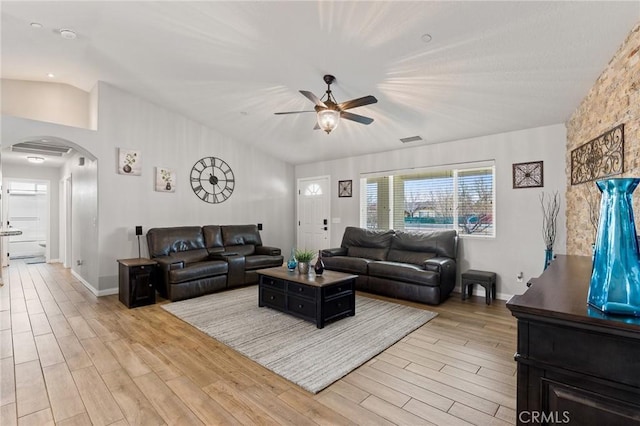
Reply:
x=355, y=117
x=357, y=102
x=291, y=112
x=313, y=98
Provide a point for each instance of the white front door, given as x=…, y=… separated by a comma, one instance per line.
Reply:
x=314, y=207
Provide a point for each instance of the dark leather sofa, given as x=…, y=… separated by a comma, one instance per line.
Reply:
x=420, y=267
x=194, y=260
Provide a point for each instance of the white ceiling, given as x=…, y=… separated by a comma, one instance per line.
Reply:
x=491, y=66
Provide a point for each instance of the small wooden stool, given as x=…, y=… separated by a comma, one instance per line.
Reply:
x=484, y=278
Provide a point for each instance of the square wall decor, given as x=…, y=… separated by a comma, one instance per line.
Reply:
x=129, y=162
x=528, y=175
x=345, y=188
x=165, y=180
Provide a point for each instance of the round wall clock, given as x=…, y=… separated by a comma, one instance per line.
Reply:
x=212, y=180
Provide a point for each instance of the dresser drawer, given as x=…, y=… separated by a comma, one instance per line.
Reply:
x=337, y=306
x=300, y=290
x=345, y=287
x=272, y=282
x=272, y=298
x=304, y=307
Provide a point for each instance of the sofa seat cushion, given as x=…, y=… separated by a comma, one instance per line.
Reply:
x=404, y=272
x=262, y=261
x=348, y=264
x=198, y=270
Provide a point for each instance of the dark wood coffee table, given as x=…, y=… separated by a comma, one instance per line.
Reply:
x=316, y=298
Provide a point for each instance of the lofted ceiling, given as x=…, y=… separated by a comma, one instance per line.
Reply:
x=490, y=67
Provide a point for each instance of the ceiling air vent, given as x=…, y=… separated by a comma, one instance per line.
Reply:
x=410, y=139
x=38, y=147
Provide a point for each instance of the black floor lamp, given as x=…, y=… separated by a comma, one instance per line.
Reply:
x=138, y=233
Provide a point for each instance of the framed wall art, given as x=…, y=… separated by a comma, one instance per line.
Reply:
x=528, y=175
x=600, y=157
x=165, y=179
x=345, y=188
x=129, y=162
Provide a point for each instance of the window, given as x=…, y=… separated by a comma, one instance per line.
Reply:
x=460, y=198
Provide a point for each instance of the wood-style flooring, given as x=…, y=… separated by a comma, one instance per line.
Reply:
x=70, y=358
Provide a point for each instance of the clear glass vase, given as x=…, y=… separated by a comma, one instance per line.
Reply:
x=615, y=278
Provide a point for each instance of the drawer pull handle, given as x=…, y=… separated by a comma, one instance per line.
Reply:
x=300, y=289
x=339, y=305
x=271, y=297
x=339, y=289
x=300, y=306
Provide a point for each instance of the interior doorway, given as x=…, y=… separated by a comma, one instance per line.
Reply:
x=27, y=205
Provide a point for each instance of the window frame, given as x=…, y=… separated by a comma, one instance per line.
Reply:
x=454, y=169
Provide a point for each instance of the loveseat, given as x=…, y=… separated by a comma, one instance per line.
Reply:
x=194, y=260
x=416, y=266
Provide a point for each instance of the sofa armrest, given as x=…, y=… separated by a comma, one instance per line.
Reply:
x=445, y=266
x=340, y=251
x=168, y=263
x=269, y=251
x=223, y=255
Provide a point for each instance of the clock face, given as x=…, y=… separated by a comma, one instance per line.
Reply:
x=212, y=180
x=527, y=175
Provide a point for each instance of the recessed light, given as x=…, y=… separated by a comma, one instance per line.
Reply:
x=426, y=38
x=36, y=25
x=68, y=34
x=36, y=160
x=50, y=75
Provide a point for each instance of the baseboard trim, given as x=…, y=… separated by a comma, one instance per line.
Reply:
x=54, y=261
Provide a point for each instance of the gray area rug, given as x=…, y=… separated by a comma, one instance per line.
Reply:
x=295, y=349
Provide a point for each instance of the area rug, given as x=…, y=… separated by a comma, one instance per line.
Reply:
x=295, y=349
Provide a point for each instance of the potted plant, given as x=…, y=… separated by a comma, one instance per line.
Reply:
x=304, y=258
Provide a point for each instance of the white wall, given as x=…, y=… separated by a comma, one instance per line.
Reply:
x=264, y=191
x=51, y=176
x=44, y=101
x=518, y=245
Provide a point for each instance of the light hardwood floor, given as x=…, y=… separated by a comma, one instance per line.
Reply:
x=70, y=358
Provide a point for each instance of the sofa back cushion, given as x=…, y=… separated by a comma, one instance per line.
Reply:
x=233, y=235
x=440, y=243
x=407, y=256
x=164, y=241
x=367, y=243
x=213, y=238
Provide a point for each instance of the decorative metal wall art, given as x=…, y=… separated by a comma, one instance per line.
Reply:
x=600, y=157
x=345, y=188
x=528, y=175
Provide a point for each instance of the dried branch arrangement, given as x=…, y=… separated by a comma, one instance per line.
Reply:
x=550, y=209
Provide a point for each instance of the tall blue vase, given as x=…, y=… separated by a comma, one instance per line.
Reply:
x=615, y=278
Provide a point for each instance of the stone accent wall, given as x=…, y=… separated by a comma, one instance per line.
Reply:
x=614, y=99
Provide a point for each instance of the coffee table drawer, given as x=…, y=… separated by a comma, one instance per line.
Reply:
x=300, y=290
x=337, y=289
x=340, y=305
x=304, y=307
x=272, y=282
x=272, y=298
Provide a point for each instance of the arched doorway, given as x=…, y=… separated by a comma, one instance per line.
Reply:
x=69, y=172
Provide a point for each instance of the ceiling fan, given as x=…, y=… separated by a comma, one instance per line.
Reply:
x=329, y=111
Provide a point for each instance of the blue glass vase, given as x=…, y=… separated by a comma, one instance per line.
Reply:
x=615, y=278
x=292, y=263
x=548, y=257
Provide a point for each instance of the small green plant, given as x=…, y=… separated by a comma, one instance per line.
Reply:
x=305, y=256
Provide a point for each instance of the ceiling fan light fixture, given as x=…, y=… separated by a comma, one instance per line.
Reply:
x=328, y=119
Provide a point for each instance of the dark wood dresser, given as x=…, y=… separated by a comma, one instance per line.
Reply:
x=575, y=365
